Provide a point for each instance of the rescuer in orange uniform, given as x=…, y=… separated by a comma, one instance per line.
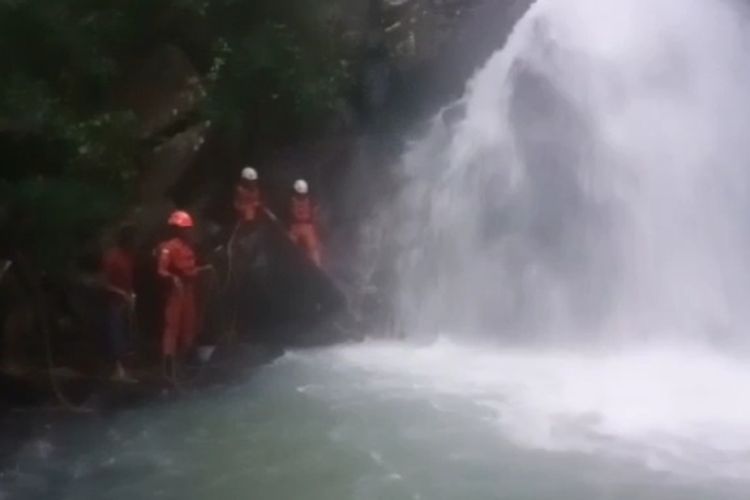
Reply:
x=177, y=264
x=304, y=219
x=248, y=203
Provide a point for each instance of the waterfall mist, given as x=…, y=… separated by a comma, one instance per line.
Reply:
x=588, y=202
x=594, y=185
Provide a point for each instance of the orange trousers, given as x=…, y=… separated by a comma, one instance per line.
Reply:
x=180, y=320
x=304, y=235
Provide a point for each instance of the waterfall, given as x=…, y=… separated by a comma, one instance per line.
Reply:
x=592, y=183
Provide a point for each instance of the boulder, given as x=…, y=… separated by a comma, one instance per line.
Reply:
x=270, y=293
x=162, y=89
x=437, y=45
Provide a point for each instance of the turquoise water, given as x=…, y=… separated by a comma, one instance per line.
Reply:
x=387, y=421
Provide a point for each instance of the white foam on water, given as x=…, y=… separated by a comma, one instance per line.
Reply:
x=591, y=213
x=681, y=410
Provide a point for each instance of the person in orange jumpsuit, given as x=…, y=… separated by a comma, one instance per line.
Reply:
x=248, y=204
x=177, y=264
x=304, y=219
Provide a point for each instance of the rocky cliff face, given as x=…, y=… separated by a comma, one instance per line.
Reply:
x=417, y=30
x=425, y=52
x=431, y=48
x=438, y=44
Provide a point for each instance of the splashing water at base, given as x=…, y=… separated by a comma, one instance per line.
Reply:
x=441, y=421
x=663, y=407
x=594, y=199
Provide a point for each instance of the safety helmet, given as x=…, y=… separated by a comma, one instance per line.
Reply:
x=301, y=187
x=180, y=218
x=249, y=174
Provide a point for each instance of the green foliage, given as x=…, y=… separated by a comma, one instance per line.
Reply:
x=106, y=148
x=277, y=68
x=60, y=60
x=272, y=70
x=59, y=215
x=269, y=81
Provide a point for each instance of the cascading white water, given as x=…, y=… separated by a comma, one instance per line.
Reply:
x=598, y=185
x=596, y=189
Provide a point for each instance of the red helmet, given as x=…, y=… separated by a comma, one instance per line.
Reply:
x=180, y=219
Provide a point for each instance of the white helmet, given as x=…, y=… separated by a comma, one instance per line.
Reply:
x=249, y=174
x=301, y=187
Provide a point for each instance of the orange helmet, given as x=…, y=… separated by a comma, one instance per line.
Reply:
x=180, y=218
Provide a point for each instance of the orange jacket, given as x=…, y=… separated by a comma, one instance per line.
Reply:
x=181, y=315
x=303, y=230
x=303, y=210
x=177, y=259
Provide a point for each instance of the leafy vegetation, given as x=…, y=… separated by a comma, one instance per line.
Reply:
x=71, y=151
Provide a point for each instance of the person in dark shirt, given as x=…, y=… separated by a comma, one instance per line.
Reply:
x=118, y=269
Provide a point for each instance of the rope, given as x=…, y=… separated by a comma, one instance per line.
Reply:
x=229, y=334
x=56, y=388
x=45, y=329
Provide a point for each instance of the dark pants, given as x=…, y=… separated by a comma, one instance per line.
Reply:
x=118, y=330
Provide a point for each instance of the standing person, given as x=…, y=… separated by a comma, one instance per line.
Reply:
x=118, y=268
x=304, y=223
x=249, y=211
x=248, y=203
x=177, y=265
